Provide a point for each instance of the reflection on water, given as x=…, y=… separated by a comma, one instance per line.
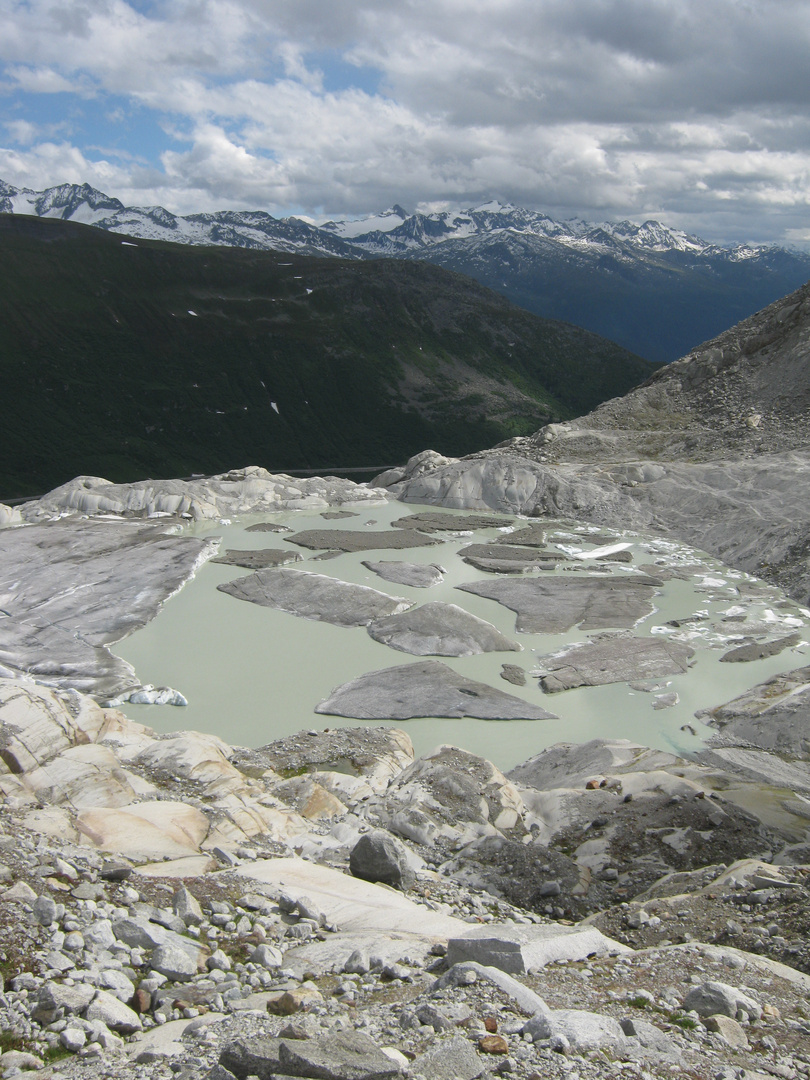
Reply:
x=254, y=674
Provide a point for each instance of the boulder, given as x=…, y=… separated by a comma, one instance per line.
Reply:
x=174, y=962
x=341, y=1055
x=450, y=1059
x=114, y=1013
x=517, y=948
x=712, y=998
x=380, y=857
x=577, y=1031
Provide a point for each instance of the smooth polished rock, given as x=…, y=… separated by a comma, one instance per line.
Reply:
x=436, y=521
x=370, y=540
x=620, y=659
x=427, y=688
x=759, y=650
x=439, y=629
x=315, y=596
x=257, y=560
x=553, y=605
x=417, y=575
x=73, y=587
x=517, y=948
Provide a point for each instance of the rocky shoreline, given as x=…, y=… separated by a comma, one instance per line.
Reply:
x=330, y=906
x=174, y=906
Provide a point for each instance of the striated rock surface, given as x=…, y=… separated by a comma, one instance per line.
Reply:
x=425, y=689
x=315, y=596
x=619, y=659
x=417, y=575
x=440, y=629
x=121, y=571
x=554, y=605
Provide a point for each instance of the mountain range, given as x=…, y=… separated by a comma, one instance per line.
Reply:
x=655, y=290
x=125, y=358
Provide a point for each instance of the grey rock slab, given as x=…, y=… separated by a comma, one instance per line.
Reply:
x=429, y=688
x=439, y=629
x=257, y=560
x=744, y=654
x=173, y=962
x=581, y=1031
x=342, y=1055
x=526, y=1000
x=71, y=588
x=315, y=596
x=517, y=948
x=257, y=1056
x=435, y=521
x=773, y=715
x=759, y=766
x=417, y=575
x=619, y=659
x=370, y=540
x=380, y=857
x=553, y=605
x=449, y=1059
x=711, y=998
x=268, y=526
x=138, y=932
x=114, y=1013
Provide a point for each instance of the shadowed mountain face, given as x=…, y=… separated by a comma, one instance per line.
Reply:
x=653, y=289
x=126, y=358
x=745, y=393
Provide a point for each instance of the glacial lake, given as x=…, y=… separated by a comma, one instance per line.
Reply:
x=253, y=674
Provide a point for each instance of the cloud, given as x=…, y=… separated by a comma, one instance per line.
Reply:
x=690, y=111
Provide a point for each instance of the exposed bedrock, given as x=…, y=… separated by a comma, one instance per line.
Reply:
x=554, y=605
x=68, y=589
x=429, y=688
x=439, y=629
x=751, y=512
x=315, y=596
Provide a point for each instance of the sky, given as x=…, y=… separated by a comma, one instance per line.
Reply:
x=694, y=112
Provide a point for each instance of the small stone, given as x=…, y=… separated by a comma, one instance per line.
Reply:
x=729, y=1031
x=219, y=961
x=267, y=956
x=173, y=962
x=72, y=1038
x=493, y=1044
x=45, y=910
x=491, y=1024
x=293, y=1001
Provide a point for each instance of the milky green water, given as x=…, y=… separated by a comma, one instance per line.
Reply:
x=253, y=674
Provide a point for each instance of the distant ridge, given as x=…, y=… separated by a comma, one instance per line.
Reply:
x=655, y=290
x=127, y=358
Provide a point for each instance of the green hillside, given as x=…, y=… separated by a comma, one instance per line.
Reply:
x=289, y=362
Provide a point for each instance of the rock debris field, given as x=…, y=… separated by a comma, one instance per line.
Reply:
x=329, y=902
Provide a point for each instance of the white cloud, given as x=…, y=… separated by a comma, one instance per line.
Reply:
x=692, y=110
